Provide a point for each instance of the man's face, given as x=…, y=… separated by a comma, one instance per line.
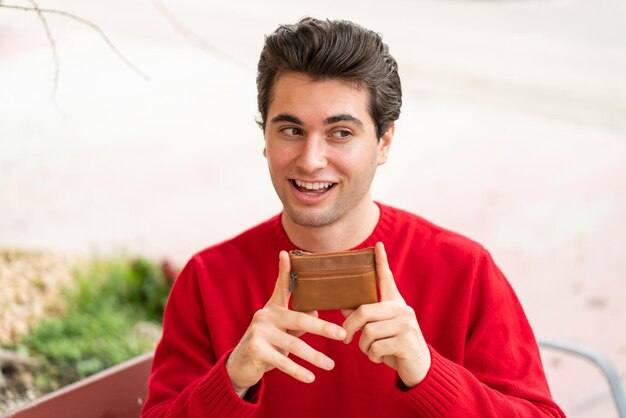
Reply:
x=321, y=149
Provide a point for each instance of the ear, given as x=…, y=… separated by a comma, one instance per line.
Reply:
x=384, y=143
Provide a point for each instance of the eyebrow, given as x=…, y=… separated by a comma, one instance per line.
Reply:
x=284, y=117
x=344, y=117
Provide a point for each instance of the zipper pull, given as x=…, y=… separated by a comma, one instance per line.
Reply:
x=292, y=281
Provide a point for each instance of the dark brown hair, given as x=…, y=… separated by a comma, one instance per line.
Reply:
x=337, y=49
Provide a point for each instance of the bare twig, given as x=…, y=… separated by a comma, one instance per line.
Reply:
x=52, y=46
x=190, y=35
x=85, y=22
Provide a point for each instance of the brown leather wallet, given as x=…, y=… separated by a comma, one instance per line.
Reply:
x=339, y=280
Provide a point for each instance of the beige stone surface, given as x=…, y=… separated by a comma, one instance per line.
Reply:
x=513, y=132
x=31, y=283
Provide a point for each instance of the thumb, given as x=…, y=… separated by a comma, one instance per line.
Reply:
x=386, y=282
x=281, y=289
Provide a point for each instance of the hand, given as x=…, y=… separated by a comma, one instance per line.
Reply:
x=274, y=333
x=391, y=333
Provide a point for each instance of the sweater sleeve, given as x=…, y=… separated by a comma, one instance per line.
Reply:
x=187, y=379
x=501, y=374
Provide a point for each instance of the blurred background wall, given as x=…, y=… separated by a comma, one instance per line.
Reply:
x=513, y=132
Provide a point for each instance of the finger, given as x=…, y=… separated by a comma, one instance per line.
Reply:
x=299, y=348
x=365, y=314
x=411, y=362
x=382, y=348
x=386, y=282
x=375, y=331
x=300, y=322
x=281, y=289
x=288, y=366
x=314, y=314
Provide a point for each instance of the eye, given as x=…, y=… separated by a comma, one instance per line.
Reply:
x=291, y=131
x=341, y=134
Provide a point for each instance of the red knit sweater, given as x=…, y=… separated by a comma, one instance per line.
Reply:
x=485, y=360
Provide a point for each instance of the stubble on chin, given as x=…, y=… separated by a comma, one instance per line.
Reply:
x=310, y=219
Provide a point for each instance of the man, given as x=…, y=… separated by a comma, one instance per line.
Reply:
x=448, y=336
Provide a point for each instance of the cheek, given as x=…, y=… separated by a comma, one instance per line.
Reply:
x=277, y=158
x=358, y=160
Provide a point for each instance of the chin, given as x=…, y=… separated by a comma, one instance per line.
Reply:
x=311, y=218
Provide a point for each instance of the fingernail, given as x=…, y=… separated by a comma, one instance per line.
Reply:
x=340, y=333
x=309, y=377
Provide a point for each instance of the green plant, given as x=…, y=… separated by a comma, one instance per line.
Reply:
x=96, y=331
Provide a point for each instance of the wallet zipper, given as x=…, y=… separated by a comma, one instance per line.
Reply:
x=321, y=255
x=330, y=274
x=292, y=281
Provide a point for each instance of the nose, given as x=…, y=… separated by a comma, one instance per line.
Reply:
x=313, y=154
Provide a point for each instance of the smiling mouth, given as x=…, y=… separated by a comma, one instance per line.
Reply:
x=312, y=188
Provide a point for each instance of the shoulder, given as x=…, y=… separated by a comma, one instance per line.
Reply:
x=421, y=234
x=243, y=245
x=234, y=253
x=445, y=265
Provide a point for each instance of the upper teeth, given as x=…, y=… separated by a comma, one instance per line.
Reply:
x=313, y=186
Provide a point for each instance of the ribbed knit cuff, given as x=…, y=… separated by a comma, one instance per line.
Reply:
x=439, y=389
x=220, y=398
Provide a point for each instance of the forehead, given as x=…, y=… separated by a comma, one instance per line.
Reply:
x=303, y=96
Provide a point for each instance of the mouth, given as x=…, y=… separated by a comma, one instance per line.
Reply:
x=312, y=188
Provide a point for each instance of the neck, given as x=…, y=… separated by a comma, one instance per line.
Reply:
x=341, y=235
